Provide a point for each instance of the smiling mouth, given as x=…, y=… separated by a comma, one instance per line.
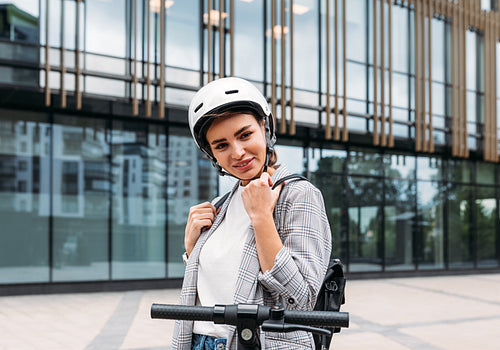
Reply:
x=241, y=165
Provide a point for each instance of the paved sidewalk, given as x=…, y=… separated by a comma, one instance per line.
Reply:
x=431, y=313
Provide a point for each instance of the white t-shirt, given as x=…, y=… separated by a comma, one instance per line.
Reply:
x=219, y=263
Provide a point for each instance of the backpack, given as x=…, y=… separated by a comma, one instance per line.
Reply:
x=331, y=293
x=330, y=298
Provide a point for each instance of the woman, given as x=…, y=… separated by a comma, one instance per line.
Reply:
x=263, y=246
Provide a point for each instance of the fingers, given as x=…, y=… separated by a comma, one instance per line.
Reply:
x=200, y=216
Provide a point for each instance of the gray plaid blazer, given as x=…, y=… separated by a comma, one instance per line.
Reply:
x=298, y=270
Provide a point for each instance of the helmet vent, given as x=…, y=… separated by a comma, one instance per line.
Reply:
x=229, y=92
x=198, y=108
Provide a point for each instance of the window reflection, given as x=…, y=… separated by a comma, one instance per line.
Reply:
x=486, y=208
x=24, y=198
x=460, y=234
x=80, y=205
x=191, y=180
x=429, y=226
x=139, y=182
x=399, y=222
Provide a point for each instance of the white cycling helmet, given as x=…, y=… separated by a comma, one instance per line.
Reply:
x=222, y=95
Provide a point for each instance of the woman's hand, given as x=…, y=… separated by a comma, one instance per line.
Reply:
x=259, y=201
x=200, y=216
x=258, y=197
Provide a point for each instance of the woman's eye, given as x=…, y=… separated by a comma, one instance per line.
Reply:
x=220, y=146
x=245, y=135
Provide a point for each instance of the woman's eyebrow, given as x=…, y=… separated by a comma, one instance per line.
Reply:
x=235, y=134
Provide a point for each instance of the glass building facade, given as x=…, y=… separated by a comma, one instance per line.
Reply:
x=388, y=107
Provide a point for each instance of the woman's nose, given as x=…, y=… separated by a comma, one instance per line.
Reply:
x=238, y=151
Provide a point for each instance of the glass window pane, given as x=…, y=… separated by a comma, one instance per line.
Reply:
x=248, y=40
x=24, y=197
x=104, y=19
x=80, y=182
x=333, y=190
x=305, y=37
x=364, y=162
x=327, y=160
x=438, y=49
x=399, y=166
x=459, y=171
x=429, y=168
x=400, y=39
x=460, y=235
x=356, y=29
x=398, y=226
x=486, y=209
x=364, y=224
x=486, y=173
x=182, y=34
x=139, y=208
x=191, y=180
x=292, y=157
x=429, y=226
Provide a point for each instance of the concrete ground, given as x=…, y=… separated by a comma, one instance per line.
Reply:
x=431, y=313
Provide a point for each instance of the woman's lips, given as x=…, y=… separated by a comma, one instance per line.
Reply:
x=244, y=165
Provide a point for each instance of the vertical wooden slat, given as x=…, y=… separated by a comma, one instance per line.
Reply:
x=231, y=35
x=486, y=126
x=383, y=140
x=78, y=72
x=418, y=134
x=221, y=39
x=148, y=63
x=292, y=103
x=62, y=63
x=328, y=131
x=161, y=107
x=47, y=49
x=454, y=78
x=429, y=51
x=209, y=40
x=391, y=136
x=344, y=68
x=336, y=130
x=375, y=78
x=273, y=58
x=135, y=102
x=494, y=83
x=283, y=69
x=465, y=149
x=423, y=78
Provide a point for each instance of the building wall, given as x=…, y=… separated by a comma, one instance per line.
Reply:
x=98, y=170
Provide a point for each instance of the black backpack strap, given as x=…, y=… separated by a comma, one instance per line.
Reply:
x=221, y=201
x=293, y=177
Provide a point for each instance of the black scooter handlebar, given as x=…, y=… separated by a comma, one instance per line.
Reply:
x=228, y=314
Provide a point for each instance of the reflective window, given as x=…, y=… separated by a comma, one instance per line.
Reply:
x=364, y=162
x=24, y=197
x=248, y=40
x=429, y=168
x=399, y=221
x=485, y=173
x=460, y=233
x=80, y=204
x=399, y=166
x=325, y=166
x=486, y=218
x=459, y=171
x=191, y=180
x=292, y=157
x=306, y=37
x=365, y=231
x=139, y=167
x=428, y=226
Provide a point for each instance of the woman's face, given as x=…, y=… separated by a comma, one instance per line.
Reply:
x=238, y=143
